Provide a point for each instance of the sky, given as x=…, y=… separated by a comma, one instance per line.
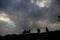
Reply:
x=17, y=15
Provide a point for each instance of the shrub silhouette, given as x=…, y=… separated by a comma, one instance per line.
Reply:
x=59, y=18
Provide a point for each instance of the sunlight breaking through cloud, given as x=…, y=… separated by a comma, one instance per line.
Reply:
x=9, y=24
x=4, y=18
x=43, y=3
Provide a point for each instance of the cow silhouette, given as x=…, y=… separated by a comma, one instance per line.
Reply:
x=26, y=31
x=38, y=30
x=47, y=29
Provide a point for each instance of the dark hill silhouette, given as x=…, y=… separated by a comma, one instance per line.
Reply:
x=34, y=36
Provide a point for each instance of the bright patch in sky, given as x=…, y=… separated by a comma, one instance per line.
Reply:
x=43, y=3
x=4, y=18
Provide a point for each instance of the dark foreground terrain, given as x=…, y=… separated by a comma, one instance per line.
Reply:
x=33, y=36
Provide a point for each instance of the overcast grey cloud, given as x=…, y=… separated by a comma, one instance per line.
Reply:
x=30, y=14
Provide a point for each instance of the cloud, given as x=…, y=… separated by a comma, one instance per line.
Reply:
x=28, y=15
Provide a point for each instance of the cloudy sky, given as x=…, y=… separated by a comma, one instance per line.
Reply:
x=17, y=15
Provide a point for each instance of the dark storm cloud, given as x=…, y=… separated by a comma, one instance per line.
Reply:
x=4, y=4
x=24, y=6
x=57, y=2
